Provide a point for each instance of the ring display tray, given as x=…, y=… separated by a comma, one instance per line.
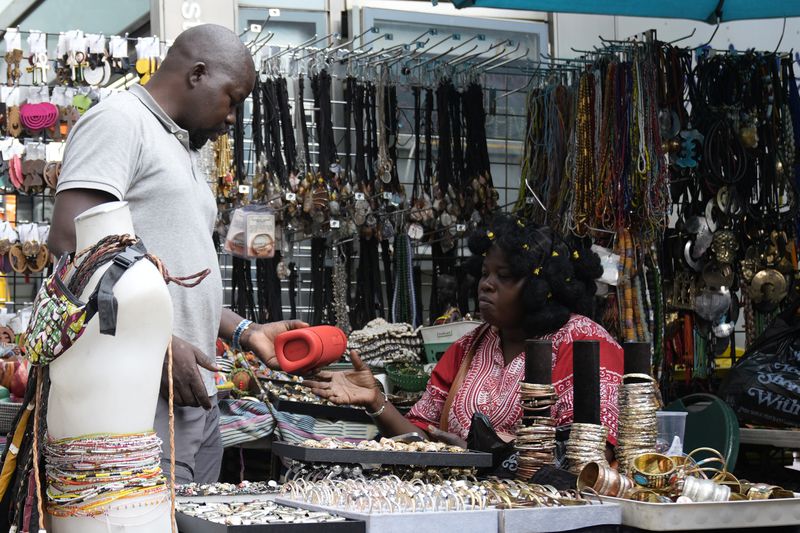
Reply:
x=348, y=456
x=332, y=412
x=223, y=498
x=711, y=515
x=192, y=524
x=478, y=521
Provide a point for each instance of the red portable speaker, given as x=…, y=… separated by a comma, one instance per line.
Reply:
x=301, y=350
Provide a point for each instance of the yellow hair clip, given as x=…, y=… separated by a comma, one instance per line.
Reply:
x=525, y=246
x=537, y=271
x=520, y=223
x=555, y=254
x=490, y=234
x=575, y=254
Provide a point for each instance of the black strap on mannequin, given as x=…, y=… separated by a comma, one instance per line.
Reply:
x=106, y=301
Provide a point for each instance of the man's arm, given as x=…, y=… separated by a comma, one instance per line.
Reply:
x=228, y=323
x=258, y=338
x=68, y=205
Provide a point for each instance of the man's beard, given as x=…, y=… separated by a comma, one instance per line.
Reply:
x=196, y=142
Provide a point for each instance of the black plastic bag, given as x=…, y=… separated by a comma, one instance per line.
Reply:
x=483, y=438
x=763, y=388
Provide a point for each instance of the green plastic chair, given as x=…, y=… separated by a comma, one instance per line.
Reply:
x=710, y=423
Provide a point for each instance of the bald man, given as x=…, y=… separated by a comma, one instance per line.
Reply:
x=141, y=146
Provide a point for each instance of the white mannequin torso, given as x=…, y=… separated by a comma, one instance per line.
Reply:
x=110, y=384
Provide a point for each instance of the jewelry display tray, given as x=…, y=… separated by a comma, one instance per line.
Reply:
x=325, y=455
x=191, y=524
x=605, y=517
x=711, y=515
x=485, y=521
x=332, y=412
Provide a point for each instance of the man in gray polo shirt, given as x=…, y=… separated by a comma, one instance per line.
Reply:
x=141, y=146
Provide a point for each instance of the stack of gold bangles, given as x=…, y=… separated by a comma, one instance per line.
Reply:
x=638, y=426
x=536, y=436
x=586, y=444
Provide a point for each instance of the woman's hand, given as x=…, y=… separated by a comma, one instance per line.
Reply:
x=351, y=387
x=260, y=339
x=448, y=438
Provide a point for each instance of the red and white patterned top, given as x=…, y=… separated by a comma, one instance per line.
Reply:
x=491, y=387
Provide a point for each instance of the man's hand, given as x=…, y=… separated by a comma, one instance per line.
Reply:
x=351, y=387
x=260, y=339
x=188, y=386
x=448, y=438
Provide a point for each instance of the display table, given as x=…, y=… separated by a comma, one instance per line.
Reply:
x=779, y=438
x=764, y=515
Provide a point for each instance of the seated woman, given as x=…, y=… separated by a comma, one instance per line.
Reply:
x=532, y=285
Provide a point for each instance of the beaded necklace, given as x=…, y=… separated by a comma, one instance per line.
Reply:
x=584, y=154
x=404, y=297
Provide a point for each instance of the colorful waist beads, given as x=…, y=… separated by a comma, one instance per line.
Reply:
x=86, y=474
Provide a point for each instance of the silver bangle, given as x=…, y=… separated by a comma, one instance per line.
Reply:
x=379, y=412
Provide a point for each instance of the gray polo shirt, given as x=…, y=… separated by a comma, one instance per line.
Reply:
x=127, y=146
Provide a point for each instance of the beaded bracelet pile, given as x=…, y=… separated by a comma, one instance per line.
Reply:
x=86, y=474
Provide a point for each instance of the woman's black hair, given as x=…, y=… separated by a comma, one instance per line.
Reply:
x=559, y=277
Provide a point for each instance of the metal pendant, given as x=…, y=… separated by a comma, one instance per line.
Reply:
x=387, y=229
x=768, y=289
x=718, y=275
x=724, y=245
x=415, y=231
x=445, y=220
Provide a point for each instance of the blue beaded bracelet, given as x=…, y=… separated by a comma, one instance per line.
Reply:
x=237, y=334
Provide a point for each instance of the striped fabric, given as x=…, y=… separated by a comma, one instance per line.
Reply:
x=245, y=420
